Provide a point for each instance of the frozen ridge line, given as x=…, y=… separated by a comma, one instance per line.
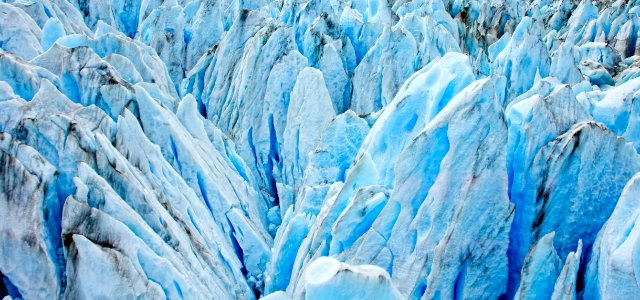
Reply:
x=319, y=149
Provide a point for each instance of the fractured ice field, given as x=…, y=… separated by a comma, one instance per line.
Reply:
x=319, y=149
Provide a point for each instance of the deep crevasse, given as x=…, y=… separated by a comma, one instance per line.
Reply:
x=319, y=149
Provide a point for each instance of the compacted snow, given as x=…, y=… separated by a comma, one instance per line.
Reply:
x=319, y=149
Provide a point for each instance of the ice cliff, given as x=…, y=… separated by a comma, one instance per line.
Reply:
x=319, y=149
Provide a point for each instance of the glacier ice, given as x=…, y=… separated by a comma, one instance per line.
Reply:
x=540, y=270
x=327, y=278
x=319, y=149
x=612, y=271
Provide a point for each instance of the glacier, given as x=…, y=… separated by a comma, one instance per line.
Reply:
x=319, y=149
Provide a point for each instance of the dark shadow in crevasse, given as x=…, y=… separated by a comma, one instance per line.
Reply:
x=7, y=288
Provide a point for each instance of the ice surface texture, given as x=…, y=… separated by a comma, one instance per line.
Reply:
x=319, y=149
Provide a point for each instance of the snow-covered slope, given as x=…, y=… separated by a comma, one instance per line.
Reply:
x=319, y=149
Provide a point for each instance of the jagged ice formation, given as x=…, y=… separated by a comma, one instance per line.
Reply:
x=319, y=149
